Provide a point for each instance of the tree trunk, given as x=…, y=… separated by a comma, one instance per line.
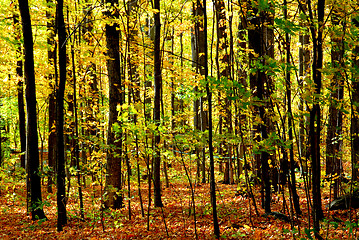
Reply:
x=210, y=129
x=32, y=153
x=157, y=106
x=293, y=187
x=51, y=58
x=114, y=154
x=20, y=93
x=315, y=117
x=198, y=61
x=224, y=75
x=61, y=195
x=354, y=128
x=257, y=81
x=334, y=128
x=304, y=75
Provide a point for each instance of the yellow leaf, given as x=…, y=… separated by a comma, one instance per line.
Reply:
x=246, y=226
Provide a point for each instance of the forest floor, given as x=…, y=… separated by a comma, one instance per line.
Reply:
x=237, y=216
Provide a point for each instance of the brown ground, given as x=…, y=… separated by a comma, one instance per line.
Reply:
x=237, y=220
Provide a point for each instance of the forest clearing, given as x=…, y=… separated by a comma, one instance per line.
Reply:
x=179, y=119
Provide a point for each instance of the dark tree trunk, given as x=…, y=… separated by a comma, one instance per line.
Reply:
x=293, y=187
x=76, y=137
x=257, y=81
x=315, y=117
x=32, y=153
x=61, y=195
x=197, y=44
x=20, y=94
x=114, y=154
x=22, y=122
x=51, y=58
x=354, y=128
x=210, y=129
x=254, y=43
x=224, y=74
x=334, y=128
x=304, y=74
x=157, y=106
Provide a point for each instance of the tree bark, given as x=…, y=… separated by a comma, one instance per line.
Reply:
x=257, y=81
x=32, y=153
x=315, y=116
x=224, y=74
x=20, y=93
x=157, y=106
x=61, y=195
x=334, y=127
x=114, y=154
x=354, y=128
x=293, y=187
x=51, y=58
x=198, y=61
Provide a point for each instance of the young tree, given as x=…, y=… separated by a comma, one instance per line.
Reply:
x=315, y=112
x=32, y=153
x=210, y=127
x=288, y=84
x=20, y=92
x=157, y=105
x=223, y=62
x=114, y=154
x=198, y=49
x=354, y=127
x=52, y=78
x=61, y=194
x=257, y=82
x=335, y=119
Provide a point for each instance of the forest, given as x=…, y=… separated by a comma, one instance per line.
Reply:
x=178, y=119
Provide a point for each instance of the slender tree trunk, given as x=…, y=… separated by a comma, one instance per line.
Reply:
x=32, y=153
x=114, y=154
x=61, y=181
x=210, y=129
x=157, y=106
x=257, y=81
x=224, y=74
x=20, y=93
x=293, y=187
x=304, y=75
x=51, y=58
x=315, y=117
x=334, y=128
x=354, y=128
x=197, y=44
x=76, y=137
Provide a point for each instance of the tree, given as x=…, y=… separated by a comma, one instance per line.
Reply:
x=354, y=126
x=315, y=112
x=157, y=105
x=335, y=119
x=61, y=194
x=210, y=128
x=292, y=178
x=20, y=92
x=198, y=40
x=257, y=81
x=52, y=78
x=32, y=153
x=223, y=62
x=114, y=154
